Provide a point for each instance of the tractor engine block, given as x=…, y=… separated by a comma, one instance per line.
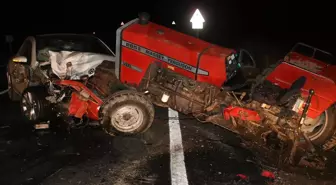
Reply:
x=170, y=89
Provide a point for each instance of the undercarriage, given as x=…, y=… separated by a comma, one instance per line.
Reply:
x=263, y=111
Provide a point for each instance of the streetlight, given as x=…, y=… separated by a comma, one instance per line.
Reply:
x=197, y=21
x=173, y=23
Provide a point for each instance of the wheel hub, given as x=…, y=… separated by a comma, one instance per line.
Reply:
x=127, y=118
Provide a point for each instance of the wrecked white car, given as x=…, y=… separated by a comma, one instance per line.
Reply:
x=43, y=56
x=70, y=78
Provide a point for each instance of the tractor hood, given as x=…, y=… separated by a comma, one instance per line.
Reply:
x=138, y=45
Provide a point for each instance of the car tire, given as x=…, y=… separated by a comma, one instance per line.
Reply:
x=127, y=112
x=34, y=107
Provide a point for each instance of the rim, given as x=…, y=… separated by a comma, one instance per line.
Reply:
x=29, y=106
x=315, y=128
x=127, y=118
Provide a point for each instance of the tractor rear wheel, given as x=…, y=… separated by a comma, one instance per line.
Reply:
x=104, y=82
x=127, y=112
x=321, y=129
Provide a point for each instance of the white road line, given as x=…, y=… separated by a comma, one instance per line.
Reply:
x=178, y=171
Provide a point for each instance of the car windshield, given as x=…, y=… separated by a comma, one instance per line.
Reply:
x=72, y=42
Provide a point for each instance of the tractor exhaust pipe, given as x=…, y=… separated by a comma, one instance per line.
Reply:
x=143, y=18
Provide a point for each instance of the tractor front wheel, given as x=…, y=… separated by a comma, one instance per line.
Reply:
x=126, y=113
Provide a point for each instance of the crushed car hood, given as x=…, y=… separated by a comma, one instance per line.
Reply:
x=82, y=63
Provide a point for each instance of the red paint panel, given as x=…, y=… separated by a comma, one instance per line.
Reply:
x=78, y=105
x=325, y=90
x=241, y=113
x=213, y=61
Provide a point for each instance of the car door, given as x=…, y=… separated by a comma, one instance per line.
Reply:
x=19, y=71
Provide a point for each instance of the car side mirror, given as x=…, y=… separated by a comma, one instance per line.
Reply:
x=20, y=59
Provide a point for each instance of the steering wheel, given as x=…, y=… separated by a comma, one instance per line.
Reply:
x=251, y=64
x=246, y=73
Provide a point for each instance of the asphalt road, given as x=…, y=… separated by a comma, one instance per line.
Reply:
x=181, y=151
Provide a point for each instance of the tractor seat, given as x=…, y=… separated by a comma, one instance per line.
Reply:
x=271, y=94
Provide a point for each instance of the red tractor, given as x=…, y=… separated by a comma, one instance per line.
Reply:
x=288, y=100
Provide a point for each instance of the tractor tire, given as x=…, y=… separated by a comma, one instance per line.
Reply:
x=104, y=82
x=327, y=128
x=13, y=96
x=127, y=112
x=34, y=107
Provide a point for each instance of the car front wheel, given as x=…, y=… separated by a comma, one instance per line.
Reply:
x=34, y=106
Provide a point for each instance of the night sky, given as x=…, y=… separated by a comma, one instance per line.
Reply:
x=260, y=26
